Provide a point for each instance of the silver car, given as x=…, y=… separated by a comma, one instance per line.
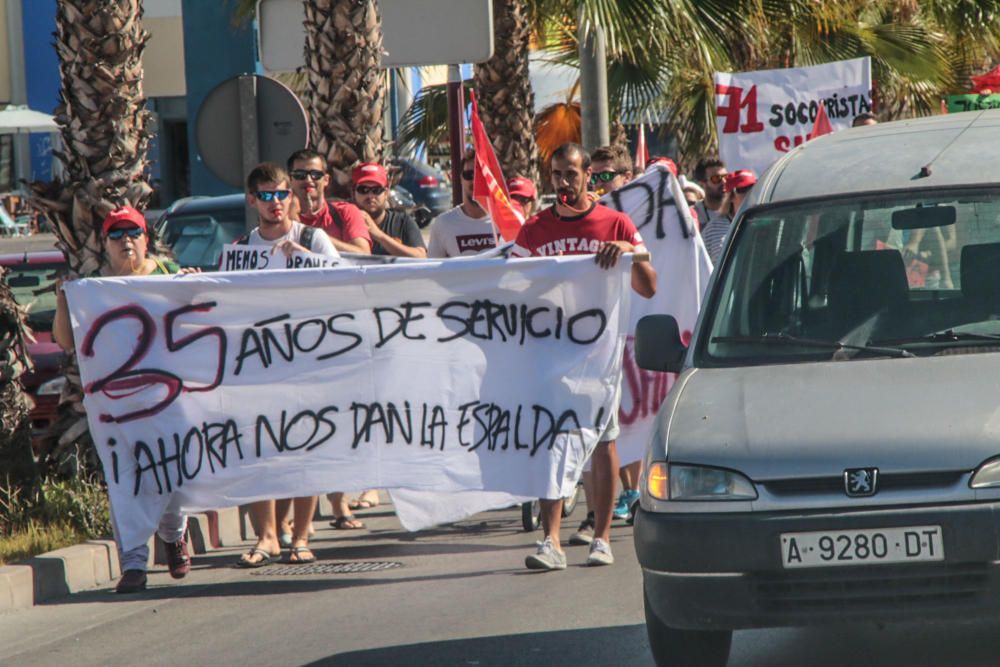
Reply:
x=831, y=449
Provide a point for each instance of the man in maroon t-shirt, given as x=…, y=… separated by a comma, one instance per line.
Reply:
x=343, y=222
x=575, y=225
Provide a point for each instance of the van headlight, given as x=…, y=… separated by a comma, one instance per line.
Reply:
x=52, y=387
x=688, y=482
x=987, y=475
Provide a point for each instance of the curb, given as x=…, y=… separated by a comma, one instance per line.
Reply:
x=94, y=563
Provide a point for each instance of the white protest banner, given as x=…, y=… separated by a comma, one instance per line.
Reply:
x=657, y=206
x=213, y=390
x=237, y=257
x=762, y=115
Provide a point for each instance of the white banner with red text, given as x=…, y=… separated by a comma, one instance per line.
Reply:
x=762, y=115
x=214, y=390
x=657, y=206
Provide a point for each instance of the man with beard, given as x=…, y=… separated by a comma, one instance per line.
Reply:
x=342, y=221
x=575, y=225
x=710, y=173
x=393, y=232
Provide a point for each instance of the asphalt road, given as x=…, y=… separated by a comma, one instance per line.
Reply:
x=459, y=596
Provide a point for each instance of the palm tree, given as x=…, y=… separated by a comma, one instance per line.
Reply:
x=15, y=426
x=345, y=96
x=344, y=89
x=103, y=125
x=505, y=97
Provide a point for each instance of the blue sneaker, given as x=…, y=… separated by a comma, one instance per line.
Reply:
x=623, y=508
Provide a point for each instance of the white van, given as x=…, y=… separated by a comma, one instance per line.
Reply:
x=831, y=449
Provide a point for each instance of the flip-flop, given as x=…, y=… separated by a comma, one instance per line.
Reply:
x=299, y=559
x=246, y=563
x=340, y=523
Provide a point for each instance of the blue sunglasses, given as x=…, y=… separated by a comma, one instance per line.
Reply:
x=131, y=232
x=268, y=195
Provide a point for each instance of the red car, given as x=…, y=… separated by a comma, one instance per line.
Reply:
x=30, y=277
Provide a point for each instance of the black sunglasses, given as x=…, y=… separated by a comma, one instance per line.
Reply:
x=369, y=189
x=523, y=201
x=131, y=232
x=744, y=190
x=604, y=176
x=268, y=195
x=468, y=175
x=303, y=174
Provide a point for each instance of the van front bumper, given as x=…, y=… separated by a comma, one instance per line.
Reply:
x=718, y=571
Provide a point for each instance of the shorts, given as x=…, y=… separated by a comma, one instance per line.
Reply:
x=612, y=430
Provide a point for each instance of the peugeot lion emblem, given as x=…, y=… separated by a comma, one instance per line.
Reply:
x=860, y=482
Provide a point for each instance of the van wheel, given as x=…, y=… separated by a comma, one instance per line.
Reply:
x=672, y=647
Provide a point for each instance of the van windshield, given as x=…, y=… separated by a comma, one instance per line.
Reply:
x=901, y=275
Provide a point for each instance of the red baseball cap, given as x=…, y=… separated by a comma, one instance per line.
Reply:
x=370, y=172
x=741, y=178
x=522, y=187
x=123, y=214
x=666, y=162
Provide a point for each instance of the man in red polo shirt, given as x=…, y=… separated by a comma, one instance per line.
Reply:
x=575, y=225
x=343, y=222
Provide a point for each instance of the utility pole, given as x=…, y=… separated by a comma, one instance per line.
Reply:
x=593, y=86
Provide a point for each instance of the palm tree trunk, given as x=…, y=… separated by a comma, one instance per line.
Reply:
x=103, y=125
x=346, y=91
x=506, y=99
x=17, y=470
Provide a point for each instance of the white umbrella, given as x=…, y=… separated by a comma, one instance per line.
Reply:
x=21, y=119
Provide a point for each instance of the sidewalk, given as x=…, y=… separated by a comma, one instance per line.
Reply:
x=93, y=564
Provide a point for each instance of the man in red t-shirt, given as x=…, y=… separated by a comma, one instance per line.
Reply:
x=575, y=225
x=343, y=222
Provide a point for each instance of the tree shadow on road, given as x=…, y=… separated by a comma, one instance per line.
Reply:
x=619, y=645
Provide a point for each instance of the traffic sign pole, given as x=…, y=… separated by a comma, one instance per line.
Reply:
x=456, y=129
x=249, y=133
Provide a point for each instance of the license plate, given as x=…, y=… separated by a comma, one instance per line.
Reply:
x=837, y=548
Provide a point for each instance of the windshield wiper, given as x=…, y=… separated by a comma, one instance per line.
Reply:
x=786, y=339
x=946, y=336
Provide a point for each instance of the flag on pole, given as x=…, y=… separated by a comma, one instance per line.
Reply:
x=822, y=125
x=488, y=186
x=641, y=151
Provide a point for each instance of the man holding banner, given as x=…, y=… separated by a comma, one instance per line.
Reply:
x=268, y=193
x=575, y=225
x=466, y=229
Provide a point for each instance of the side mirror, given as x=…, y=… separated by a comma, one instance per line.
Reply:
x=422, y=216
x=658, y=345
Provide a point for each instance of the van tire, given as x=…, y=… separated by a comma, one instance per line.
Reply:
x=672, y=647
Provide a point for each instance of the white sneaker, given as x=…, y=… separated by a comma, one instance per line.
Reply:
x=547, y=557
x=600, y=553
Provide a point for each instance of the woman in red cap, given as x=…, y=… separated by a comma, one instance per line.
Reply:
x=126, y=244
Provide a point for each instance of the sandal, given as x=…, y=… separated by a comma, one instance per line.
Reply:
x=300, y=555
x=246, y=560
x=347, y=522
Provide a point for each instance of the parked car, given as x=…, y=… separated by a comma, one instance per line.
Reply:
x=196, y=228
x=428, y=186
x=30, y=277
x=830, y=451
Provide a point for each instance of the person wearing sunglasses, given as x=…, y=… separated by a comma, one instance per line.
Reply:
x=127, y=248
x=466, y=229
x=343, y=222
x=523, y=191
x=576, y=225
x=611, y=169
x=716, y=232
x=393, y=232
x=268, y=193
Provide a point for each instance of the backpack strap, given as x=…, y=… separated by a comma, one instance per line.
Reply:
x=243, y=240
x=337, y=218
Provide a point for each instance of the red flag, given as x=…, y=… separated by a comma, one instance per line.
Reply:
x=488, y=186
x=641, y=151
x=822, y=125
